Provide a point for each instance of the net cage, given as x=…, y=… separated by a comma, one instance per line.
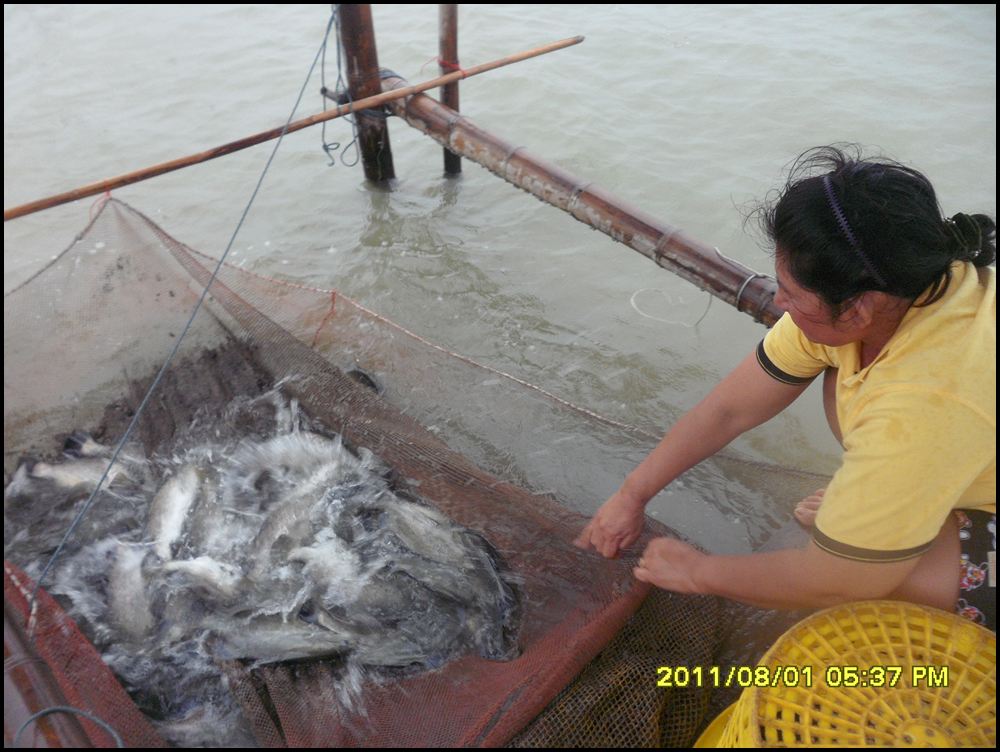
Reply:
x=83, y=340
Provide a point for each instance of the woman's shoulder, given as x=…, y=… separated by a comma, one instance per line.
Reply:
x=951, y=344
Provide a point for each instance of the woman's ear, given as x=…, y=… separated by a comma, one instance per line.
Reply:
x=860, y=313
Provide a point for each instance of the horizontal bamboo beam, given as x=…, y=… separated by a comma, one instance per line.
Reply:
x=671, y=248
x=362, y=104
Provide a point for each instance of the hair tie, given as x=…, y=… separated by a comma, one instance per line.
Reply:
x=967, y=233
x=831, y=198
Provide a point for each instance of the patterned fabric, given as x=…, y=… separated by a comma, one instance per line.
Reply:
x=977, y=595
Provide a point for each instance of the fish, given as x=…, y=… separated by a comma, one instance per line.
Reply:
x=291, y=456
x=277, y=543
x=261, y=474
x=76, y=475
x=218, y=578
x=82, y=444
x=271, y=639
x=291, y=517
x=366, y=379
x=19, y=485
x=169, y=509
x=451, y=583
x=47, y=486
x=128, y=602
x=395, y=624
x=340, y=573
x=130, y=463
x=457, y=563
x=209, y=531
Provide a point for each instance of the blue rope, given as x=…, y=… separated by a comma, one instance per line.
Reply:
x=67, y=709
x=187, y=327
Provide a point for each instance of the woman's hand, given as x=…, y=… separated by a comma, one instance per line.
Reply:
x=670, y=564
x=615, y=526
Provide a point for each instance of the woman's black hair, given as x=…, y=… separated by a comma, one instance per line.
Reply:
x=844, y=225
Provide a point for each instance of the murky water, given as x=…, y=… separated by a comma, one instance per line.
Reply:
x=689, y=112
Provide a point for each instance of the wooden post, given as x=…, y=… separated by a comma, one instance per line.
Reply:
x=448, y=52
x=357, y=34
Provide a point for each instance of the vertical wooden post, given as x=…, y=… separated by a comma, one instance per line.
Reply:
x=357, y=34
x=448, y=51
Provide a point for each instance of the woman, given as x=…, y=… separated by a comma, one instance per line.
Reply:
x=897, y=307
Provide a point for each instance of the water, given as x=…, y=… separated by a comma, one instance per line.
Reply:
x=689, y=112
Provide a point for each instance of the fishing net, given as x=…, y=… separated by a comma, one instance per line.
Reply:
x=83, y=340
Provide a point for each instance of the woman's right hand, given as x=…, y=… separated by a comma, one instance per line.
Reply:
x=615, y=526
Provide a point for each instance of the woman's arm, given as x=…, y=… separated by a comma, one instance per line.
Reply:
x=746, y=398
x=806, y=577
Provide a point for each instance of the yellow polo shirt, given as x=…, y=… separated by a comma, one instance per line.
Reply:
x=918, y=423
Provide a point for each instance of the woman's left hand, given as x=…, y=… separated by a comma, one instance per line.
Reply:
x=670, y=564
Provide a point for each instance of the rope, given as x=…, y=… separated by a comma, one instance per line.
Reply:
x=159, y=376
x=635, y=307
x=98, y=205
x=453, y=67
x=743, y=287
x=335, y=295
x=330, y=147
x=746, y=282
x=67, y=709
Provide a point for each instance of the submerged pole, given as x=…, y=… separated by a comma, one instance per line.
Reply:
x=671, y=248
x=448, y=54
x=357, y=35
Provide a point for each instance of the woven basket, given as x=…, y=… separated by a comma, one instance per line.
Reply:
x=874, y=673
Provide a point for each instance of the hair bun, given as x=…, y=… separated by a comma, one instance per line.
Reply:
x=968, y=239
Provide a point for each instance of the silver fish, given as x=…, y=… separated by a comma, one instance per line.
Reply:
x=295, y=547
x=82, y=444
x=169, y=510
x=426, y=532
x=270, y=639
x=291, y=516
x=338, y=571
x=292, y=456
x=128, y=602
x=20, y=484
x=217, y=578
x=82, y=474
x=457, y=564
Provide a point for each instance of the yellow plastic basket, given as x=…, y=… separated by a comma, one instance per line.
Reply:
x=874, y=673
x=712, y=736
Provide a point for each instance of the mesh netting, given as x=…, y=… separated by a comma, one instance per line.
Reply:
x=82, y=341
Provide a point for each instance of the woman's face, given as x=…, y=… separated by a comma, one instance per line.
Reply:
x=811, y=314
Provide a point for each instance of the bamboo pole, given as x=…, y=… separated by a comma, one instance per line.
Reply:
x=357, y=35
x=448, y=53
x=102, y=186
x=668, y=246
